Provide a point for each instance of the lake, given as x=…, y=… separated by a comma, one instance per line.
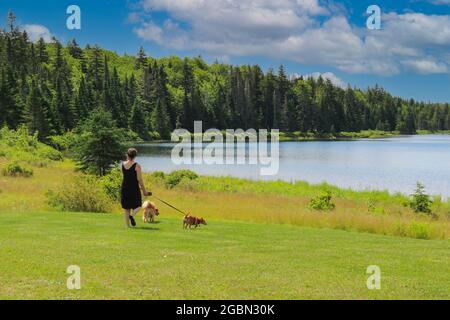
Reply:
x=393, y=164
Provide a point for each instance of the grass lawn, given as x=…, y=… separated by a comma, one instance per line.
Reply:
x=224, y=260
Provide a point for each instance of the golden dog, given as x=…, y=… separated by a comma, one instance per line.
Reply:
x=150, y=212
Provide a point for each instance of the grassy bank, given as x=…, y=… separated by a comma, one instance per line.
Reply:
x=224, y=260
x=289, y=203
x=237, y=199
x=364, y=134
x=314, y=136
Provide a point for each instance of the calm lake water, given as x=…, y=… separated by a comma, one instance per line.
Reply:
x=394, y=164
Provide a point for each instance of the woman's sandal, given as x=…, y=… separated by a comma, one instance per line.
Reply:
x=133, y=222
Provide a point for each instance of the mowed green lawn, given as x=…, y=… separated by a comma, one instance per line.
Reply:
x=224, y=260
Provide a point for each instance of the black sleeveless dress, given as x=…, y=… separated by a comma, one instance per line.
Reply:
x=131, y=193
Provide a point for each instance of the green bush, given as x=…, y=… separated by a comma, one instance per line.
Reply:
x=83, y=194
x=419, y=231
x=65, y=142
x=174, y=179
x=19, y=145
x=188, y=185
x=158, y=175
x=322, y=202
x=421, y=202
x=16, y=170
x=112, y=184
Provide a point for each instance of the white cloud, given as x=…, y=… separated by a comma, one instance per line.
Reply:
x=36, y=31
x=169, y=35
x=304, y=31
x=426, y=66
x=134, y=17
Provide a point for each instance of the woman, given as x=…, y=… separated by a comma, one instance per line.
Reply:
x=132, y=185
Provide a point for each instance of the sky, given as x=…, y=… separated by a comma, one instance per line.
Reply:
x=409, y=55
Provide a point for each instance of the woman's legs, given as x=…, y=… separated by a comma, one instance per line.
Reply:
x=135, y=211
x=126, y=214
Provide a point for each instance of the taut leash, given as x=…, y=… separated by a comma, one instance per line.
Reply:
x=169, y=205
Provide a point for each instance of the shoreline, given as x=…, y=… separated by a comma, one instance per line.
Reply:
x=342, y=136
x=229, y=179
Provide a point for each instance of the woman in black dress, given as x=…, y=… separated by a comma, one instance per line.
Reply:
x=132, y=185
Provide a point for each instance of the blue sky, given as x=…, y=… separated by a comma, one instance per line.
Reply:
x=410, y=56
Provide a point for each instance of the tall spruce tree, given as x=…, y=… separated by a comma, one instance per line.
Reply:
x=101, y=144
x=141, y=59
x=137, y=120
x=160, y=120
x=36, y=113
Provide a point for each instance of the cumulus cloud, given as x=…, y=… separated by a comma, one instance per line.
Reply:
x=426, y=66
x=36, y=31
x=169, y=34
x=305, y=31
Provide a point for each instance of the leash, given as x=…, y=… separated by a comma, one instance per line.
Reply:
x=169, y=205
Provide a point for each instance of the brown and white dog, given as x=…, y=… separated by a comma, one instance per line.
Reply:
x=150, y=212
x=191, y=221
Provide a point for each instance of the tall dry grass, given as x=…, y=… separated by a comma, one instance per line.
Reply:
x=376, y=212
x=236, y=199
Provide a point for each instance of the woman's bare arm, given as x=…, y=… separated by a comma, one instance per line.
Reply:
x=141, y=180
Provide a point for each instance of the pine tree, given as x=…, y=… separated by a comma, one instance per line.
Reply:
x=12, y=108
x=186, y=116
x=160, y=120
x=74, y=49
x=83, y=102
x=405, y=121
x=36, y=114
x=137, y=120
x=41, y=49
x=101, y=144
x=141, y=59
x=63, y=106
x=95, y=69
x=164, y=95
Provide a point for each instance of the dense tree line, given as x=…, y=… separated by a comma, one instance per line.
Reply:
x=54, y=88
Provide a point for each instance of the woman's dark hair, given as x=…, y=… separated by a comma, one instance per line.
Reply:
x=131, y=153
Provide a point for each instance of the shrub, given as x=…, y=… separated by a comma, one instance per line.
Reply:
x=174, y=179
x=131, y=136
x=159, y=175
x=419, y=231
x=46, y=152
x=421, y=202
x=112, y=184
x=64, y=142
x=322, y=202
x=83, y=194
x=188, y=185
x=16, y=170
x=19, y=145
